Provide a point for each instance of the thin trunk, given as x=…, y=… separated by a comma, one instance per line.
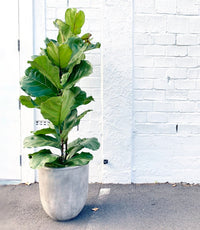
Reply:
x=62, y=149
x=66, y=150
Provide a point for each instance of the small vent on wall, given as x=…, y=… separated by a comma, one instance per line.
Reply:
x=42, y=122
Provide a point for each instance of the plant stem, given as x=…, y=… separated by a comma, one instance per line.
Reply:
x=62, y=148
x=65, y=157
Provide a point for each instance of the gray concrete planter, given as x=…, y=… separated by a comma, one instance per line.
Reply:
x=63, y=191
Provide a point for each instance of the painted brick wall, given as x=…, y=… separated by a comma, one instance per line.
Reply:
x=166, y=91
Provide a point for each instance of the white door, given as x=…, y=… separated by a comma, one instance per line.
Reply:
x=9, y=92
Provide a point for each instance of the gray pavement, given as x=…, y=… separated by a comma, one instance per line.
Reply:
x=137, y=207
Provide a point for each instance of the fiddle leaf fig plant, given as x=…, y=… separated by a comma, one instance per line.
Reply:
x=50, y=85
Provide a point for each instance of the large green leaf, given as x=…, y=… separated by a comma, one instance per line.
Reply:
x=80, y=97
x=79, y=71
x=78, y=47
x=90, y=143
x=74, y=20
x=88, y=100
x=71, y=121
x=45, y=131
x=64, y=55
x=76, y=43
x=93, y=46
x=53, y=53
x=78, y=144
x=57, y=108
x=79, y=159
x=55, y=164
x=39, y=100
x=82, y=115
x=65, y=77
x=27, y=101
x=40, y=141
x=37, y=85
x=60, y=55
x=40, y=158
x=64, y=31
x=44, y=65
x=47, y=41
x=30, y=103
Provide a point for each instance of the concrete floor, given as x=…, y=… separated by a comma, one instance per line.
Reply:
x=131, y=207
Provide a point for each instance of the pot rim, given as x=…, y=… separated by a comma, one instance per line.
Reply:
x=64, y=168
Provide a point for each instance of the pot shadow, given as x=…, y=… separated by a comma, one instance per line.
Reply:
x=83, y=217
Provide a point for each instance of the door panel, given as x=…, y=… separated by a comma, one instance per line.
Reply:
x=9, y=92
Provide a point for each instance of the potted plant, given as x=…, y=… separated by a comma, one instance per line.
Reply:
x=50, y=85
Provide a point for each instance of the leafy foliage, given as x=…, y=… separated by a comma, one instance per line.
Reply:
x=40, y=158
x=50, y=85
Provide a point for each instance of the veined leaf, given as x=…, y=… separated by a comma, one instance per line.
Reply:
x=70, y=122
x=78, y=47
x=37, y=85
x=74, y=20
x=82, y=158
x=79, y=71
x=80, y=97
x=56, y=108
x=73, y=151
x=76, y=43
x=78, y=144
x=65, y=77
x=47, y=40
x=88, y=100
x=93, y=46
x=64, y=31
x=60, y=55
x=90, y=143
x=40, y=141
x=53, y=53
x=40, y=158
x=30, y=103
x=45, y=131
x=27, y=101
x=64, y=55
x=82, y=115
x=40, y=100
x=43, y=64
x=70, y=15
x=55, y=164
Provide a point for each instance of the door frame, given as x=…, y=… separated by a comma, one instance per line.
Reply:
x=25, y=8
x=31, y=35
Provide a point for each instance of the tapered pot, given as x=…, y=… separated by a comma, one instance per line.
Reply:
x=63, y=191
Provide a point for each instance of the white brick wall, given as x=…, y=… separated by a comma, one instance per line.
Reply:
x=167, y=112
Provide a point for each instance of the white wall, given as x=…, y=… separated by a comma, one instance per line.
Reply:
x=117, y=91
x=166, y=91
